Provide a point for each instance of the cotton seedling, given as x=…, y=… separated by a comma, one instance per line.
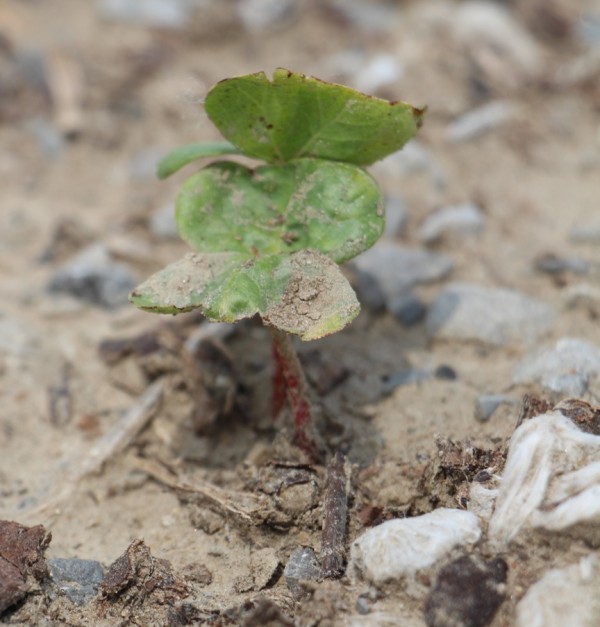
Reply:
x=268, y=240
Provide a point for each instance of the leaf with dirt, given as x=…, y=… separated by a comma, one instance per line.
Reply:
x=305, y=293
x=335, y=208
x=295, y=116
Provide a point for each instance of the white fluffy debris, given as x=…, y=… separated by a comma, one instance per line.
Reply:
x=551, y=480
x=401, y=547
x=568, y=596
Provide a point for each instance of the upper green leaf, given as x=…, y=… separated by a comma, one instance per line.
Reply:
x=332, y=207
x=304, y=293
x=296, y=116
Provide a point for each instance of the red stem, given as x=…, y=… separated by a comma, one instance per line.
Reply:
x=296, y=387
x=278, y=381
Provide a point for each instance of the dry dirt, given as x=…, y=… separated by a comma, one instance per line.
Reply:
x=237, y=500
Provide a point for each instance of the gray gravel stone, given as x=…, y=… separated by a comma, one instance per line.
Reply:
x=465, y=219
x=380, y=71
x=398, y=268
x=465, y=311
x=369, y=292
x=474, y=123
x=303, y=565
x=585, y=233
x=160, y=13
x=163, y=224
x=566, y=367
x=404, y=378
x=408, y=309
x=261, y=16
x=556, y=264
x=92, y=276
x=396, y=216
x=487, y=404
x=78, y=579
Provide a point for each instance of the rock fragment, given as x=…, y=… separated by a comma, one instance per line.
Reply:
x=466, y=219
x=22, y=562
x=397, y=268
x=92, y=276
x=401, y=547
x=466, y=311
x=468, y=591
x=78, y=579
x=566, y=596
x=567, y=367
x=301, y=566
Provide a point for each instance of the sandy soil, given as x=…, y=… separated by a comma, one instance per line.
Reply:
x=86, y=107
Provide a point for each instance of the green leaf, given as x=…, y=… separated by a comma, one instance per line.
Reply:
x=331, y=207
x=183, y=155
x=304, y=293
x=296, y=116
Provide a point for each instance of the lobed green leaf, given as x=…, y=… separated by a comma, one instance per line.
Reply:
x=331, y=207
x=295, y=116
x=304, y=293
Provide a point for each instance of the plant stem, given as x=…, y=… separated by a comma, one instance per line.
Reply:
x=279, y=386
x=296, y=386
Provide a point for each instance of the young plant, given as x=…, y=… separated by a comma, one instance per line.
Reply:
x=268, y=240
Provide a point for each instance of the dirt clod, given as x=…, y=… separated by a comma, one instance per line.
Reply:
x=22, y=560
x=467, y=593
x=137, y=577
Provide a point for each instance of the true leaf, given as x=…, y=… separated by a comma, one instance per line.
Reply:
x=304, y=293
x=331, y=207
x=296, y=116
x=183, y=155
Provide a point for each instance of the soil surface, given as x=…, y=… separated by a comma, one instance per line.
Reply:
x=147, y=442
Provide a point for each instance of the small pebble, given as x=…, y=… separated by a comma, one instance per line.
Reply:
x=369, y=292
x=555, y=264
x=566, y=367
x=404, y=378
x=467, y=311
x=586, y=234
x=408, y=309
x=17, y=338
x=396, y=217
x=413, y=158
x=587, y=28
x=397, y=268
x=380, y=71
x=159, y=13
x=78, y=579
x=302, y=565
x=563, y=597
x=445, y=373
x=50, y=140
x=262, y=16
x=144, y=163
x=474, y=123
x=466, y=219
x=375, y=16
x=401, y=547
x=163, y=224
x=93, y=277
x=362, y=605
x=467, y=591
x=486, y=405
x=503, y=54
